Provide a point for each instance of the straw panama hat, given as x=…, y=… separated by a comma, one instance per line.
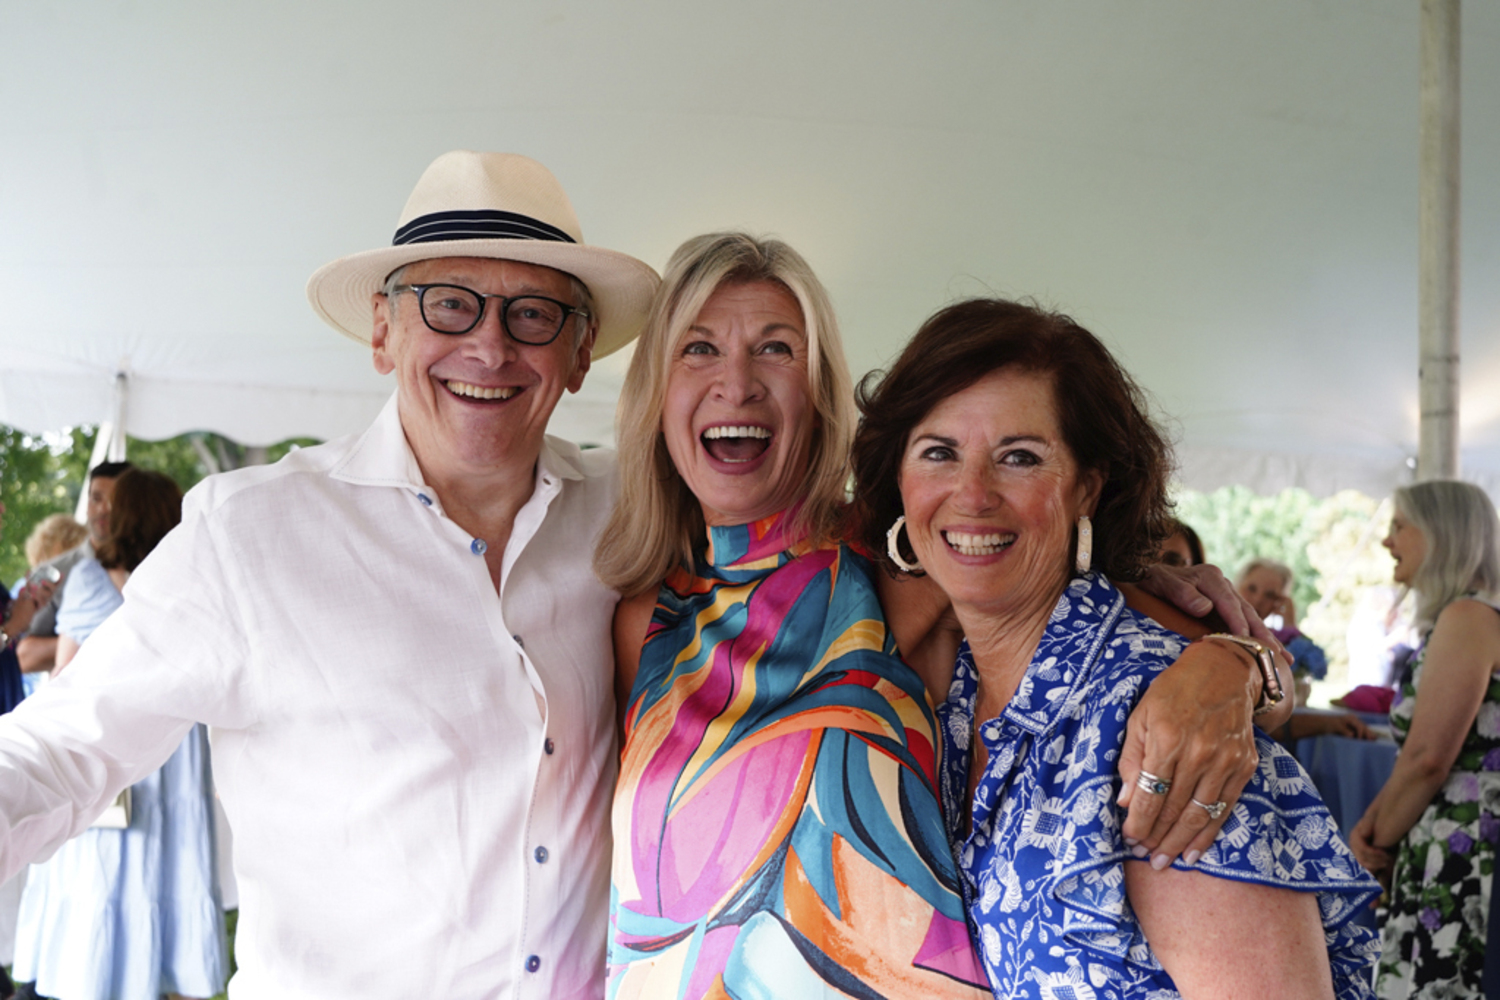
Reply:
x=499, y=205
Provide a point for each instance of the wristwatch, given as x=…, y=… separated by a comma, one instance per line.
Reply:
x=1271, y=693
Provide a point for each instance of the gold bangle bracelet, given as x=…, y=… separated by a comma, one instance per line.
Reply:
x=1271, y=693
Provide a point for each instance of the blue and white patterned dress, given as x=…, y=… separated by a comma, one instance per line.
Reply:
x=1043, y=870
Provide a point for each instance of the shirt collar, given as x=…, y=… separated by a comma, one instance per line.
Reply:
x=1075, y=638
x=381, y=456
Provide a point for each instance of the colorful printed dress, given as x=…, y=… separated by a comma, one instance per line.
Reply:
x=1435, y=929
x=777, y=829
x=1044, y=868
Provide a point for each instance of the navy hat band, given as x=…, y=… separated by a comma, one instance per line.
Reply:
x=483, y=224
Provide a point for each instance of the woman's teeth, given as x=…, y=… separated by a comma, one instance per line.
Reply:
x=978, y=545
x=737, y=432
x=479, y=391
x=736, y=444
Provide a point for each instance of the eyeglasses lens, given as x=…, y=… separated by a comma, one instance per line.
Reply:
x=533, y=320
x=449, y=309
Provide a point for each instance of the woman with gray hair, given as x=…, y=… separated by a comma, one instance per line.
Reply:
x=1431, y=833
x=776, y=821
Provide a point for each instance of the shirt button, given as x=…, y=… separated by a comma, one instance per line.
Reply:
x=533, y=962
x=549, y=746
x=478, y=547
x=426, y=500
x=541, y=855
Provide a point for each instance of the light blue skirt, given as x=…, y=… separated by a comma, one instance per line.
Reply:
x=132, y=914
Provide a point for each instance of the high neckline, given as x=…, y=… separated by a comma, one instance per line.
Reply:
x=757, y=545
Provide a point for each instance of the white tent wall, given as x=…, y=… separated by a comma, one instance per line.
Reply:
x=1226, y=193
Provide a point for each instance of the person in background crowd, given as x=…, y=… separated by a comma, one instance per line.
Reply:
x=131, y=913
x=1181, y=547
x=38, y=648
x=1267, y=585
x=55, y=535
x=1432, y=832
x=15, y=614
x=1008, y=456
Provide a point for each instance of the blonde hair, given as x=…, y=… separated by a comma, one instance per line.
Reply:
x=1458, y=522
x=657, y=522
x=53, y=535
x=1282, y=570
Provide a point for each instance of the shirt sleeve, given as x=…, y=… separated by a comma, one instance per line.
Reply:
x=173, y=654
x=89, y=597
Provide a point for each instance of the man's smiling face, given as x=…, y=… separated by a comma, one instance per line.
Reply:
x=480, y=399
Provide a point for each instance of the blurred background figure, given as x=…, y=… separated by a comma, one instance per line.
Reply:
x=1431, y=833
x=1182, y=547
x=129, y=913
x=38, y=648
x=16, y=614
x=1267, y=585
x=54, y=535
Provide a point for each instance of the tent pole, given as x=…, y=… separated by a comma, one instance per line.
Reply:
x=1437, y=238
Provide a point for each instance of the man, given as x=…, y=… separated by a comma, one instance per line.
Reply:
x=397, y=637
x=37, y=650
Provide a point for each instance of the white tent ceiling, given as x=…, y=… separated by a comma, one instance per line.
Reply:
x=1226, y=192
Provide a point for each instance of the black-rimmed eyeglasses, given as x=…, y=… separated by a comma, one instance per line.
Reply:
x=528, y=319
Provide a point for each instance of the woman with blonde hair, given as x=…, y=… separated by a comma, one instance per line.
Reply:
x=777, y=826
x=54, y=535
x=1431, y=833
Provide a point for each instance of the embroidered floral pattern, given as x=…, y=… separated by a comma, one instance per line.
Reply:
x=1043, y=870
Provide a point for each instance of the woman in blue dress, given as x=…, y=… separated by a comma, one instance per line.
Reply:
x=132, y=913
x=1008, y=456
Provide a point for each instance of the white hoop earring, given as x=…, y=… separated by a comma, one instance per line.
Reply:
x=1085, y=557
x=893, y=549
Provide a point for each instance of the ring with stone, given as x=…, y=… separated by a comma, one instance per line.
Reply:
x=1214, y=810
x=1149, y=782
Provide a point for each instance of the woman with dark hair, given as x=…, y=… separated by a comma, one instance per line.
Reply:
x=1008, y=456
x=1431, y=833
x=1182, y=546
x=130, y=911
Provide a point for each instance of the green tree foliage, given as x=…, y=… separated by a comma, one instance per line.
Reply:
x=1237, y=525
x=1332, y=546
x=41, y=476
x=31, y=486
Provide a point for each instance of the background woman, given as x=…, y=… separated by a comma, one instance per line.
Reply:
x=1012, y=460
x=133, y=913
x=1181, y=547
x=777, y=829
x=1438, y=816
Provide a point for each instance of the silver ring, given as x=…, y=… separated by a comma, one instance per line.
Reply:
x=1214, y=811
x=1149, y=782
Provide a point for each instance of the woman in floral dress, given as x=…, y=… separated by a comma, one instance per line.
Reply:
x=1009, y=457
x=1431, y=833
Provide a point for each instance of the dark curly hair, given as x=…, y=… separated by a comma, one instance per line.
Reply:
x=146, y=506
x=1101, y=410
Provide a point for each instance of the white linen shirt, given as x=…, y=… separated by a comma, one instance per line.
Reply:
x=418, y=771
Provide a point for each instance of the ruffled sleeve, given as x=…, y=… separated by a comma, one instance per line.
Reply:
x=89, y=597
x=1044, y=864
